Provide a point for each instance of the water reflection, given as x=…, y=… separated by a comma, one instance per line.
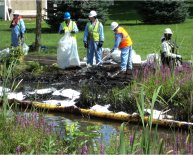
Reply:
x=107, y=128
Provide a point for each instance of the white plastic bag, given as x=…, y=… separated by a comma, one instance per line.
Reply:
x=153, y=57
x=4, y=53
x=67, y=53
x=25, y=48
x=116, y=55
x=74, y=57
x=135, y=57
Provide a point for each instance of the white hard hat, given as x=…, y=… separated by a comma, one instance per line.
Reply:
x=16, y=12
x=92, y=13
x=114, y=25
x=168, y=31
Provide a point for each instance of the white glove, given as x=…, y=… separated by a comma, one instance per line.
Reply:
x=178, y=56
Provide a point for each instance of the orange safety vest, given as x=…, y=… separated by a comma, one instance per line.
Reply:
x=126, y=40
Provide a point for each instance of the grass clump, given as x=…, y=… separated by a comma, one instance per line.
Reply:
x=16, y=134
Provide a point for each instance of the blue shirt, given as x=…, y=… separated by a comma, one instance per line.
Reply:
x=118, y=38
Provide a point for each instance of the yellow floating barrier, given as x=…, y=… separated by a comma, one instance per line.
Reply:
x=114, y=116
x=103, y=115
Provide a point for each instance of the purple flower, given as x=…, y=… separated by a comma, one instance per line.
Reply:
x=139, y=151
x=85, y=150
x=131, y=140
x=18, y=150
x=102, y=150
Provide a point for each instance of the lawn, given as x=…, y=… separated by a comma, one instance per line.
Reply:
x=146, y=38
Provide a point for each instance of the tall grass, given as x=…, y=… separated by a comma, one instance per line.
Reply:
x=6, y=76
x=149, y=140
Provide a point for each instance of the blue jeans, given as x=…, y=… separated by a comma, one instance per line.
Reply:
x=126, y=58
x=92, y=50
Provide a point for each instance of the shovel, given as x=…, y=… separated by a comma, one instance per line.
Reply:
x=104, y=58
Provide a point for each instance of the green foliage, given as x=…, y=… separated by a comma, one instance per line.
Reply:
x=31, y=134
x=16, y=55
x=175, y=92
x=122, y=146
x=7, y=71
x=75, y=139
x=34, y=67
x=162, y=12
x=121, y=99
x=16, y=135
x=79, y=12
x=49, y=146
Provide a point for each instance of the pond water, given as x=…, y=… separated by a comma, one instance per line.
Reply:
x=109, y=127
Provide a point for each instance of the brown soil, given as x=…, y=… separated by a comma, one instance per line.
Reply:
x=97, y=79
x=76, y=76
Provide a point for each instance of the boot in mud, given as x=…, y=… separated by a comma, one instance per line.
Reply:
x=129, y=74
x=119, y=74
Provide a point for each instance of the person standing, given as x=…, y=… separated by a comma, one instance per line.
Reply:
x=17, y=29
x=93, y=39
x=68, y=25
x=70, y=57
x=168, y=49
x=124, y=43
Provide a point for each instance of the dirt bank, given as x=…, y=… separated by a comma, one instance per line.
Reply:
x=77, y=76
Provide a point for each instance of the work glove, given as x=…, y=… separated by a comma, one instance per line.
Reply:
x=100, y=44
x=73, y=32
x=22, y=41
x=62, y=31
x=178, y=57
x=22, y=38
x=112, y=50
x=85, y=44
x=21, y=35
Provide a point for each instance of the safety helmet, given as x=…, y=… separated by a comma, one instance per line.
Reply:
x=67, y=15
x=114, y=25
x=16, y=12
x=168, y=31
x=92, y=13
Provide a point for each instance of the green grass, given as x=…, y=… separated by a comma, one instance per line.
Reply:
x=146, y=38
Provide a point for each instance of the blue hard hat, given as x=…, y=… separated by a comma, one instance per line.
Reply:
x=67, y=15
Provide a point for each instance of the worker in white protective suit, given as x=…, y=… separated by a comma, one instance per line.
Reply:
x=93, y=39
x=17, y=29
x=169, y=54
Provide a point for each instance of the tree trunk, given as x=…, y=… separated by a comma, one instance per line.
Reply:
x=38, y=25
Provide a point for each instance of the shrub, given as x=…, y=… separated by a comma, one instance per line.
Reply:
x=176, y=89
x=162, y=12
x=79, y=12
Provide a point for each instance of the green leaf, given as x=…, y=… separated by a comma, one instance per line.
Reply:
x=122, y=147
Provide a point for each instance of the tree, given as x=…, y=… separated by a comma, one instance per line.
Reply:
x=79, y=11
x=163, y=11
x=38, y=25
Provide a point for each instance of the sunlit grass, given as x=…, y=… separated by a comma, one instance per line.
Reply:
x=146, y=38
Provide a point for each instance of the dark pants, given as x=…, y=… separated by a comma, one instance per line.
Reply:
x=168, y=61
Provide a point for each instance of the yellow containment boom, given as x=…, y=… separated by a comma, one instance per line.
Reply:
x=103, y=115
x=113, y=116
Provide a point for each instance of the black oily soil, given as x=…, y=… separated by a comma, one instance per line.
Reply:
x=79, y=76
